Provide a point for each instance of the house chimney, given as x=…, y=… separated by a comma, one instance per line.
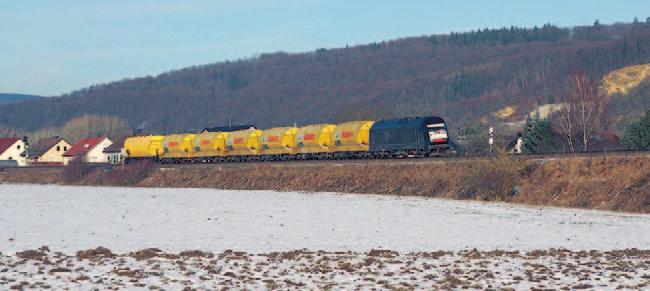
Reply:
x=25, y=139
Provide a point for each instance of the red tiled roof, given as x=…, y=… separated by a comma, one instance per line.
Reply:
x=83, y=146
x=5, y=143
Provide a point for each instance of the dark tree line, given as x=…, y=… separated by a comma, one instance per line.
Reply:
x=507, y=35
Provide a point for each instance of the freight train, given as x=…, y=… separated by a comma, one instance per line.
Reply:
x=404, y=137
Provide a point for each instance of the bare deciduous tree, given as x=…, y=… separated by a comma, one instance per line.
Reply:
x=11, y=132
x=565, y=123
x=92, y=125
x=583, y=111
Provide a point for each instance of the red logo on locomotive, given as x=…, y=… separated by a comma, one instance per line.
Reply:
x=172, y=144
x=273, y=138
x=348, y=134
x=310, y=136
x=239, y=140
x=205, y=142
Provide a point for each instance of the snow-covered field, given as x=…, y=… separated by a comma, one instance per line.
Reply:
x=347, y=226
x=123, y=219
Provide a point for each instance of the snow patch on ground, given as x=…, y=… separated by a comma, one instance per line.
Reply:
x=69, y=218
x=375, y=270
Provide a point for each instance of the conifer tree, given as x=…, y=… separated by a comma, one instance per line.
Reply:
x=637, y=134
x=538, y=136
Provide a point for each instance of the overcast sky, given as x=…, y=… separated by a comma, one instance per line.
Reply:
x=53, y=47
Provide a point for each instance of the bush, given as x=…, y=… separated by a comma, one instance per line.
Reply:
x=493, y=179
x=76, y=170
x=131, y=174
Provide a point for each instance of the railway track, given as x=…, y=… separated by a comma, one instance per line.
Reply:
x=361, y=162
x=409, y=161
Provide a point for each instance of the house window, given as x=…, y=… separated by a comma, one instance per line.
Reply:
x=58, y=148
x=65, y=148
x=11, y=158
x=18, y=146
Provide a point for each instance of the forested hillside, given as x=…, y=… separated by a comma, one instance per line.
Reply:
x=12, y=98
x=461, y=76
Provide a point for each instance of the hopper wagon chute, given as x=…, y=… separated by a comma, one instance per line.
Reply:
x=209, y=146
x=243, y=145
x=178, y=148
x=352, y=139
x=315, y=141
x=279, y=143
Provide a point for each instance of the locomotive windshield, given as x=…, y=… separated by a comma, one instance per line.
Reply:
x=437, y=133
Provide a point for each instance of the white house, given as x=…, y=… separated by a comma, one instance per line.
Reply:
x=115, y=152
x=48, y=151
x=13, y=149
x=91, y=150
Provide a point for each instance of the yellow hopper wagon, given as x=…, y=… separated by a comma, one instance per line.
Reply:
x=279, y=144
x=209, y=147
x=143, y=148
x=315, y=141
x=351, y=139
x=243, y=145
x=178, y=148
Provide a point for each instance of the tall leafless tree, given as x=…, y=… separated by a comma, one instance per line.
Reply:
x=583, y=111
x=565, y=123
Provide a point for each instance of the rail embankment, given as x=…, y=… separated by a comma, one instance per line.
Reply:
x=603, y=183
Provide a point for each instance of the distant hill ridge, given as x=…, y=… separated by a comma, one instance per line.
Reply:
x=460, y=76
x=6, y=98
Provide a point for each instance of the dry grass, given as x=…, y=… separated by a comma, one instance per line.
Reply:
x=597, y=183
x=605, y=183
x=417, y=180
x=495, y=179
x=130, y=174
x=615, y=183
x=32, y=175
x=76, y=171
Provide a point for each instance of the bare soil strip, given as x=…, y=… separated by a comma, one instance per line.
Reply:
x=383, y=269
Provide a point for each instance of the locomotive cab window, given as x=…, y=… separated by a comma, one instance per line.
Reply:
x=437, y=132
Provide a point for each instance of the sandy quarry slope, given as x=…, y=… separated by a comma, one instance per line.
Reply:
x=68, y=218
x=625, y=79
